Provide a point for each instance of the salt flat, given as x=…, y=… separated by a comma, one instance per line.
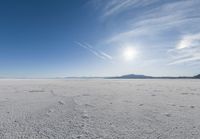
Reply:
x=99, y=109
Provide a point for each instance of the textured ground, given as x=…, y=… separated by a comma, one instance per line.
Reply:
x=100, y=109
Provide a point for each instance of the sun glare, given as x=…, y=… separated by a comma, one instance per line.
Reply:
x=129, y=53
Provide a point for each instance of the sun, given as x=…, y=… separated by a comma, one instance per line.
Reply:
x=129, y=53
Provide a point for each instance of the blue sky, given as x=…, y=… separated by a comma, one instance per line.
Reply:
x=49, y=38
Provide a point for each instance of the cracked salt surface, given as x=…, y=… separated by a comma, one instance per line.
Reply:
x=104, y=109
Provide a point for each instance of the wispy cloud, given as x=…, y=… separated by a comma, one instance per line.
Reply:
x=98, y=53
x=105, y=55
x=187, y=50
x=159, y=20
x=113, y=7
x=189, y=41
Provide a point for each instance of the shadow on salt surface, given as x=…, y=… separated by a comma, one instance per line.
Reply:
x=197, y=94
x=36, y=91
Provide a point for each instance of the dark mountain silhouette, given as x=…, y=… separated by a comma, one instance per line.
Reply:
x=135, y=76
x=197, y=76
x=132, y=76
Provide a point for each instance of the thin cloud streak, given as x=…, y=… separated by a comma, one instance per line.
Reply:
x=114, y=7
x=106, y=55
x=97, y=53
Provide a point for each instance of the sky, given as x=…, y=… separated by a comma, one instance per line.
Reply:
x=60, y=38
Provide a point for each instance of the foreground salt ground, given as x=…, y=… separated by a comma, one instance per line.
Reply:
x=100, y=109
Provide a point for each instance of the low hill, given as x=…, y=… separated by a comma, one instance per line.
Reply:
x=132, y=76
x=197, y=76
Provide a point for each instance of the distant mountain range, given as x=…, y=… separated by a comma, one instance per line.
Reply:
x=131, y=76
x=128, y=76
x=135, y=76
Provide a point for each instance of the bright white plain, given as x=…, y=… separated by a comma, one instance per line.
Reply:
x=103, y=109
